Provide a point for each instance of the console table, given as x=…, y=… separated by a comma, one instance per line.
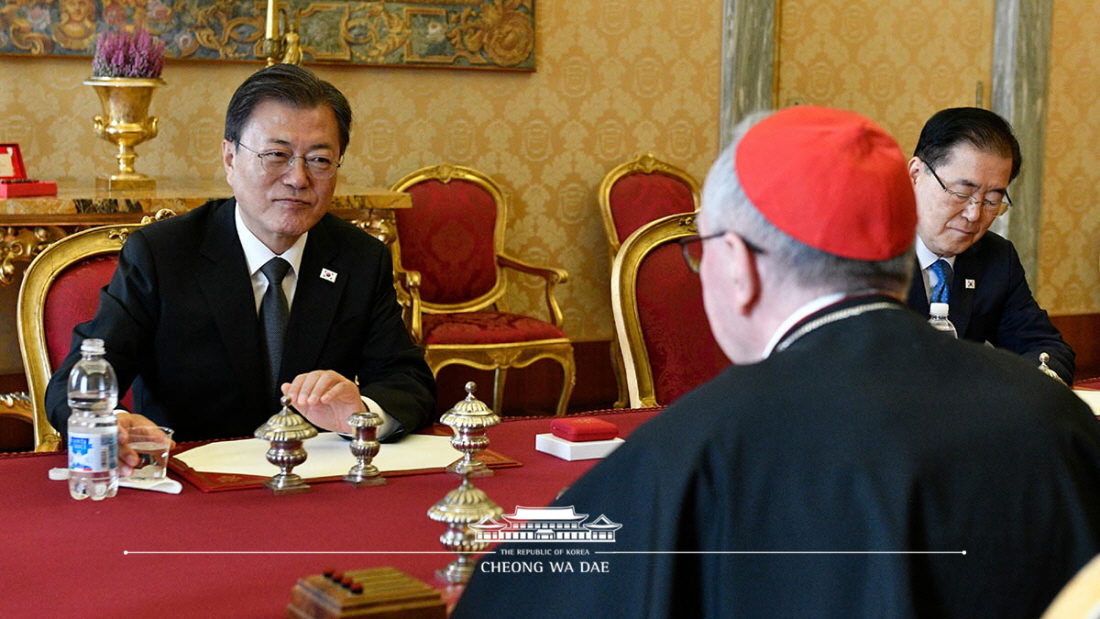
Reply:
x=28, y=224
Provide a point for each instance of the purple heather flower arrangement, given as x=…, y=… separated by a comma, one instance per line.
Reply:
x=128, y=54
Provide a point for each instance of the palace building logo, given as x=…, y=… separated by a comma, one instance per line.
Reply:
x=545, y=524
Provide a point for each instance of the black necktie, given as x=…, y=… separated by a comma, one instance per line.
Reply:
x=941, y=291
x=274, y=312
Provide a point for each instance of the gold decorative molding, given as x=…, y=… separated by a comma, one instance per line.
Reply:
x=687, y=221
x=379, y=224
x=18, y=401
x=443, y=172
x=160, y=215
x=22, y=244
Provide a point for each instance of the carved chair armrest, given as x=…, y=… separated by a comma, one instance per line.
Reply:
x=17, y=420
x=17, y=405
x=553, y=277
x=407, y=284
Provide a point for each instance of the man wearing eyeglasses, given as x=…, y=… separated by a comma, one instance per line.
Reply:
x=214, y=314
x=964, y=161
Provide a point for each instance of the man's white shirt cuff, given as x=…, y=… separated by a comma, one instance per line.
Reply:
x=389, y=424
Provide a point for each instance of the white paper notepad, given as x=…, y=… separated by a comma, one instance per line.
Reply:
x=328, y=455
x=1092, y=398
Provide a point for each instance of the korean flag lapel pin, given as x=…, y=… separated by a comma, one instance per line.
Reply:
x=328, y=276
x=970, y=284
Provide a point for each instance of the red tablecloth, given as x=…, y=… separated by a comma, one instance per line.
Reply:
x=1092, y=384
x=236, y=553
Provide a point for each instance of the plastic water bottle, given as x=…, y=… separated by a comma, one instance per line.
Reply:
x=939, y=319
x=93, y=427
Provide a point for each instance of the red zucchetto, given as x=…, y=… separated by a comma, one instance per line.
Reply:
x=831, y=179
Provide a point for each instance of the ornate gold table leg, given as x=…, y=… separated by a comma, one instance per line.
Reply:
x=22, y=245
x=380, y=224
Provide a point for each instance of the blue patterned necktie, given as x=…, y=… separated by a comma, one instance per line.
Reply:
x=941, y=291
x=274, y=312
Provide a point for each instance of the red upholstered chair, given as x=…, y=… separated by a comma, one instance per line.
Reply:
x=640, y=191
x=633, y=194
x=60, y=290
x=449, y=265
x=668, y=348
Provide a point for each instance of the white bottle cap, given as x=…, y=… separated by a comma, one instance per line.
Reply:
x=938, y=309
x=92, y=346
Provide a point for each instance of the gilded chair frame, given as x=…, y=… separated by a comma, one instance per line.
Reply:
x=16, y=419
x=37, y=281
x=495, y=357
x=646, y=163
x=637, y=369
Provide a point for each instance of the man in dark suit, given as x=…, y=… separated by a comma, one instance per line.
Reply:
x=180, y=316
x=854, y=462
x=963, y=163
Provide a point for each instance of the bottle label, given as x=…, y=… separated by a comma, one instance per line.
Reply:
x=93, y=453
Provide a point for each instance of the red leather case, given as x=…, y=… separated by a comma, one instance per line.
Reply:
x=13, y=176
x=579, y=429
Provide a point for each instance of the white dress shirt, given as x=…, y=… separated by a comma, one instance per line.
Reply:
x=256, y=255
x=925, y=258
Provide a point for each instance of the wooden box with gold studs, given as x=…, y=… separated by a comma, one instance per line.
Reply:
x=373, y=593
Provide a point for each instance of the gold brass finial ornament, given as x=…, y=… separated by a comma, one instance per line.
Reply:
x=281, y=45
x=285, y=431
x=469, y=419
x=364, y=446
x=466, y=504
x=1045, y=369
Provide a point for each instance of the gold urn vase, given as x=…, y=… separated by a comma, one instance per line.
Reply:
x=126, y=123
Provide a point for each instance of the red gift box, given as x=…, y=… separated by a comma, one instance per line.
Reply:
x=579, y=429
x=13, y=176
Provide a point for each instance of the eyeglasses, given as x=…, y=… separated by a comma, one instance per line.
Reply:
x=962, y=199
x=278, y=163
x=693, y=261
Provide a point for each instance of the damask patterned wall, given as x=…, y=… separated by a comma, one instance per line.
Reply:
x=898, y=61
x=614, y=78
x=1069, y=256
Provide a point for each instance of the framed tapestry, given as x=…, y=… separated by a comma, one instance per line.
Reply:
x=473, y=34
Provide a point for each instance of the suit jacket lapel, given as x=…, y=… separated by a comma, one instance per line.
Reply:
x=222, y=275
x=918, y=297
x=962, y=297
x=316, y=299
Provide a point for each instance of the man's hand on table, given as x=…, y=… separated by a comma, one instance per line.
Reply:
x=127, y=457
x=325, y=398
